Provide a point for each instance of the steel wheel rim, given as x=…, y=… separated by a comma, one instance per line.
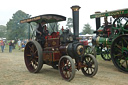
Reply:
x=67, y=68
x=119, y=54
x=32, y=57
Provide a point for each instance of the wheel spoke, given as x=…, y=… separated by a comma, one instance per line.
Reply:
x=31, y=49
x=125, y=41
x=35, y=52
x=70, y=69
x=86, y=69
x=36, y=63
x=30, y=63
x=123, y=62
x=36, y=57
x=91, y=70
x=118, y=46
x=66, y=74
x=28, y=55
x=62, y=64
x=119, y=54
x=67, y=62
x=88, y=59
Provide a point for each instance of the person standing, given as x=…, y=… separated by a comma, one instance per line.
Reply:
x=10, y=46
x=90, y=41
x=19, y=44
x=2, y=46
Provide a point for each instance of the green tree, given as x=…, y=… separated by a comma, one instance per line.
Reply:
x=3, y=31
x=87, y=29
x=15, y=29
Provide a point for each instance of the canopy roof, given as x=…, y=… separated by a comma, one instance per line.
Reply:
x=47, y=18
x=115, y=13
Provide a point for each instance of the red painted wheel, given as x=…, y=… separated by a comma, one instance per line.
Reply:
x=67, y=68
x=91, y=65
x=33, y=56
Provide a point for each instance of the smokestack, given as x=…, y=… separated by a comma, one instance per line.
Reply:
x=75, y=11
x=97, y=21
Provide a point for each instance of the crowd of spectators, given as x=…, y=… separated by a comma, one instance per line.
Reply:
x=12, y=44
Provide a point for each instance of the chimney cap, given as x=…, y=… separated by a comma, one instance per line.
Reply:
x=75, y=8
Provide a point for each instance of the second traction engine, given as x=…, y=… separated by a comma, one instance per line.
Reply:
x=103, y=36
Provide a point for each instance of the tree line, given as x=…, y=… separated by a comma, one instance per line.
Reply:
x=15, y=30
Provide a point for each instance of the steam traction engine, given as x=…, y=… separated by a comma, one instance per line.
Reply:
x=113, y=37
x=59, y=51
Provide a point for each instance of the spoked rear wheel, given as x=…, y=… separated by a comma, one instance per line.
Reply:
x=67, y=68
x=119, y=53
x=91, y=65
x=33, y=56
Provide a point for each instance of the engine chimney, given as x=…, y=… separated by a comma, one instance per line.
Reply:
x=75, y=11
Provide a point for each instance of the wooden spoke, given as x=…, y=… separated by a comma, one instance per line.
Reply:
x=119, y=54
x=118, y=46
x=35, y=52
x=30, y=63
x=28, y=55
x=31, y=49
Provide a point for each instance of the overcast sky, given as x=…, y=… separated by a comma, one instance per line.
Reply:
x=61, y=7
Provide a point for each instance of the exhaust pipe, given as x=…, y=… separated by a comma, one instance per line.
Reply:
x=75, y=11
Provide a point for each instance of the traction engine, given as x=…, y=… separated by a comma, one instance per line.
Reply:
x=61, y=51
x=112, y=38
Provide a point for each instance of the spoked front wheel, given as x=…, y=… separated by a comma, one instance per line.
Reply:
x=67, y=68
x=91, y=65
x=33, y=56
x=105, y=54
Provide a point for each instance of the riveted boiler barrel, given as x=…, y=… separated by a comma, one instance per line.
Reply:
x=75, y=50
x=97, y=40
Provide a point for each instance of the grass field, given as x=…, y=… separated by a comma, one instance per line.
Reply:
x=14, y=72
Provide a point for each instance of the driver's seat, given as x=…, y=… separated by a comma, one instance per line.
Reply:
x=55, y=34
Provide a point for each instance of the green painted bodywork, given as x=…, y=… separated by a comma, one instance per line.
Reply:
x=110, y=13
x=104, y=41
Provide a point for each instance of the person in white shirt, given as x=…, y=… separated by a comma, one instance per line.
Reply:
x=19, y=44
